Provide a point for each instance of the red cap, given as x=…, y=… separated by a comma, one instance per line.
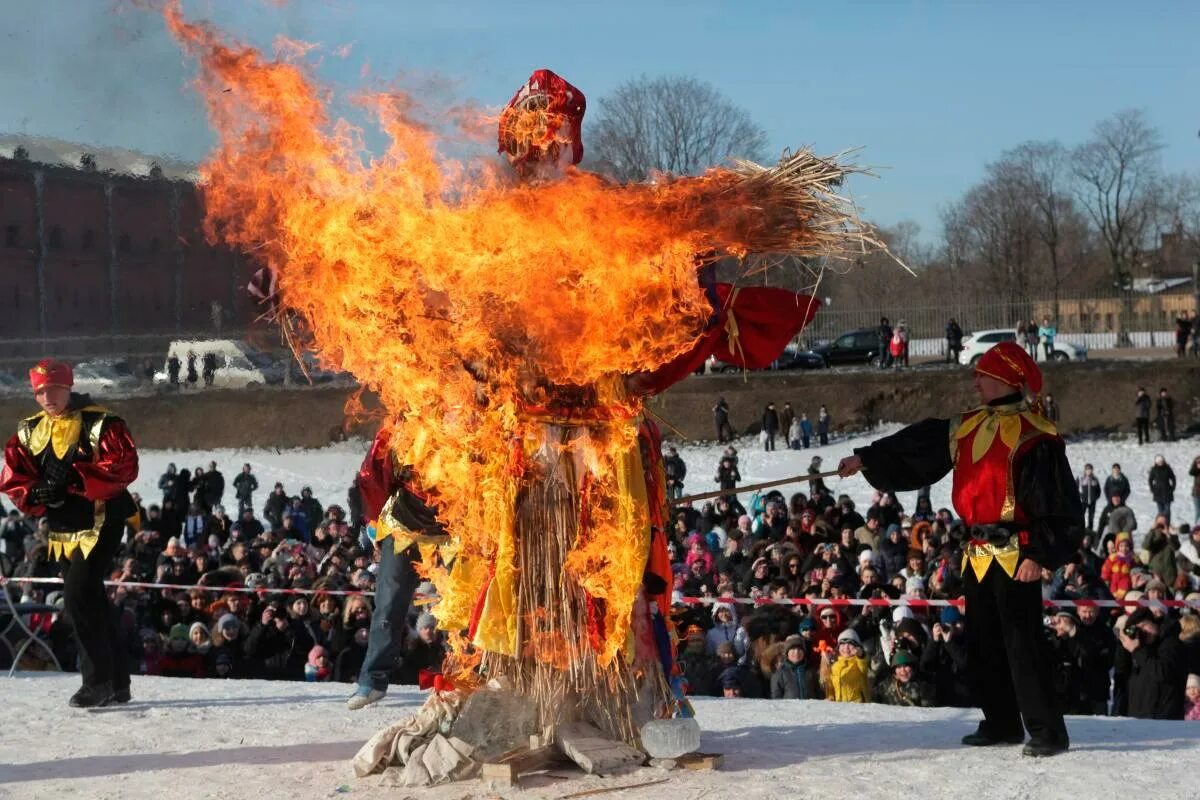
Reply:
x=49, y=372
x=1008, y=363
x=545, y=112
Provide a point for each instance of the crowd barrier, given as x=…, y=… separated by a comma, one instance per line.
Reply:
x=909, y=602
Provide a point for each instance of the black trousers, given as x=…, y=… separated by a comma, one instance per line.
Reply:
x=87, y=608
x=1143, y=430
x=1008, y=657
x=1090, y=509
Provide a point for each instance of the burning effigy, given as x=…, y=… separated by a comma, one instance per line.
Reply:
x=512, y=318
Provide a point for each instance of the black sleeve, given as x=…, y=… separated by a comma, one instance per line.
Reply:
x=916, y=456
x=1045, y=491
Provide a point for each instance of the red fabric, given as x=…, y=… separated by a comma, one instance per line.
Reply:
x=377, y=476
x=1009, y=363
x=980, y=488
x=560, y=119
x=113, y=467
x=659, y=562
x=767, y=320
x=49, y=372
x=19, y=476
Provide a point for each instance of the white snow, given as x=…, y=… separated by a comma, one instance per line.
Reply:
x=185, y=739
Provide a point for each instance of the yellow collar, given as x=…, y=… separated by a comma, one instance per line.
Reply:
x=62, y=432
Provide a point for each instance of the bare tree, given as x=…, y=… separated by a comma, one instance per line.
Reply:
x=671, y=124
x=1117, y=172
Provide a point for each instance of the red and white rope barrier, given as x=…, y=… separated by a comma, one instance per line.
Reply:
x=909, y=602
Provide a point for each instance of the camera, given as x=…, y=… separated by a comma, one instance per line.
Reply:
x=1132, y=631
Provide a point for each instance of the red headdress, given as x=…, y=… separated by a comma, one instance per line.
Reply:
x=49, y=372
x=1009, y=363
x=544, y=114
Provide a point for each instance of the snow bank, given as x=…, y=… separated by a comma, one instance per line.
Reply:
x=188, y=739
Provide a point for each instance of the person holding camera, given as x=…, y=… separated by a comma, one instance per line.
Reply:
x=1019, y=502
x=71, y=463
x=1157, y=671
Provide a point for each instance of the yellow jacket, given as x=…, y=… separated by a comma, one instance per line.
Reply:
x=848, y=679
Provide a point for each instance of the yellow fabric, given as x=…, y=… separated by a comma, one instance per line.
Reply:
x=848, y=676
x=731, y=327
x=63, y=543
x=980, y=557
x=61, y=432
x=497, y=628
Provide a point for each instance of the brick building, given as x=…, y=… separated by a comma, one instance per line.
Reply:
x=117, y=263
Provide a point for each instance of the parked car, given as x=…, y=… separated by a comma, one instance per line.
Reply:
x=979, y=342
x=853, y=347
x=793, y=357
x=103, y=377
x=235, y=370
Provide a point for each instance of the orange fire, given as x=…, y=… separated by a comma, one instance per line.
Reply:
x=452, y=291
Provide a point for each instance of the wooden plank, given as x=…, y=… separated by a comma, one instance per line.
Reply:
x=700, y=761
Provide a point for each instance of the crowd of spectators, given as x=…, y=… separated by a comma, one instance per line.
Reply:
x=813, y=545
x=187, y=539
x=810, y=545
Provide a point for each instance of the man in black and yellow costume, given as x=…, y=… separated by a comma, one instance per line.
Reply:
x=1015, y=492
x=71, y=463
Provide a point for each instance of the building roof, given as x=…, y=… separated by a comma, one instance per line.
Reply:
x=1161, y=285
x=47, y=150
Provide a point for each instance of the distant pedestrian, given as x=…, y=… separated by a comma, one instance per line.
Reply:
x=1183, y=332
x=1032, y=339
x=728, y=476
x=193, y=376
x=823, y=422
x=1164, y=415
x=721, y=420
x=1162, y=486
x=1141, y=405
x=675, y=471
x=954, y=337
x=786, y=415
x=1050, y=408
x=899, y=345
x=795, y=434
x=245, y=485
x=885, y=332
x=1046, y=334
x=1089, y=493
x=173, y=367
x=1195, y=473
x=806, y=430
x=770, y=426
x=210, y=368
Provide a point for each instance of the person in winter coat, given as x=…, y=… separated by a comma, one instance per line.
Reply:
x=1046, y=333
x=844, y=676
x=830, y=624
x=806, y=430
x=884, y=333
x=893, y=552
x=277, y=503
x=824, y=421
x=954, y=337
x=902, y=688
x=728, y=476
x=815, y=485
x=721, y=421
x=770, y=426
x=1157, y=680
x=725, y=629
x=1191, y=703
x=1118, y=567
x=792, y=678
x=227, y=641
x=1050, y=409
x=211, y=490
x=179, y=661
x=898, y=347
x=319, y=667
x=244, y=487
x=1162, y=486
x=786, y=417
x=1089, y=493
x=676, y=471
x=1164, y=416
x=697, y=665
x=271, y=646
x=1120, y=517
x=945, y=660
x=1141, y=419
x=311, y=507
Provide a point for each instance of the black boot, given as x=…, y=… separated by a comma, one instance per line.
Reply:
x=1044, y=748
x=121, y=695
x=983, y=738
x=93, y=696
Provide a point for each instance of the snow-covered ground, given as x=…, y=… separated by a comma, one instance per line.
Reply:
x=329, y=470
x=184, y=739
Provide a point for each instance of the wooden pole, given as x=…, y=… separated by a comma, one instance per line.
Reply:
x=691, y=498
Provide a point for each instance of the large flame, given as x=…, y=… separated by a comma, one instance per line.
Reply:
x=450, y=290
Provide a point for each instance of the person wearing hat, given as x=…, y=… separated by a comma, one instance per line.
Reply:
x=398, y=509
x=71, y=463
x=902, y=688
x=1191, y=702
x=792, y=678
x=698, y=667
x=1157, y=670
x=844, y=670
x=1015, y=492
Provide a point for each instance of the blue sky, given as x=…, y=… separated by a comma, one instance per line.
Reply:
x=930, y=90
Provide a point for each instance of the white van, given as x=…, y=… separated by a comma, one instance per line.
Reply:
x=235, y=368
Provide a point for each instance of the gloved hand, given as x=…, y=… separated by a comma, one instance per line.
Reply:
x=51, y=495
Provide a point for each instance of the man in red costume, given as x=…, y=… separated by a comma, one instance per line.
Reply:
x=71, y=463
x=1013, y=489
